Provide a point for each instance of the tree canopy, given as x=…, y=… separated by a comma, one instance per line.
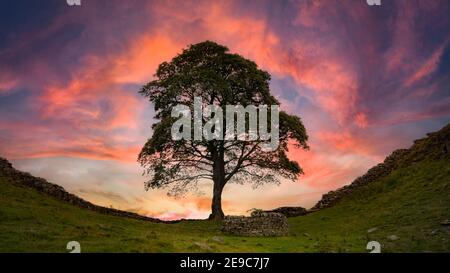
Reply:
x=209, y=71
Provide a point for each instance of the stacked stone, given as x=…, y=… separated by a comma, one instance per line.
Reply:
x=42, y=185
x=381, y=170
x=290, y=211
x=261, y=224
x=435, y=146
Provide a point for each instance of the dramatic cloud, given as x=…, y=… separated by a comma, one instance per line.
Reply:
x=365, y=80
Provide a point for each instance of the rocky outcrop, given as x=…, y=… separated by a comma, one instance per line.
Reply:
x=261, y=224
x=435, y=146
x=58, y=192
x=290, y=211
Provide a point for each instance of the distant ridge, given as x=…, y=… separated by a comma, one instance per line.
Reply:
x=435, y=146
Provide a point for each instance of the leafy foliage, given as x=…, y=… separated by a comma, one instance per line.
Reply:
x=209, y=71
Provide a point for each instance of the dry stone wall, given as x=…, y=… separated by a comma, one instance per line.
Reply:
x=263, y=224
x=290, y=211
x=58, y=192
x=436, y=146
x=373, y=174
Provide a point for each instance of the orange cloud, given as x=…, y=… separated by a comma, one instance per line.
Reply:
x=347, y=142
x=64, y=143
x=139, y=63
x=94, y=100
x=327, y=168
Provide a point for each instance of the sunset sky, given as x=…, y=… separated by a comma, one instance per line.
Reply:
x=364, y=79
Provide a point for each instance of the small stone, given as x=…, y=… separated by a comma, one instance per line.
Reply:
x=445, y=222
x=203, y=246
x=217, y=239
x=372, y=230
x=434, y=232
x=393, y=237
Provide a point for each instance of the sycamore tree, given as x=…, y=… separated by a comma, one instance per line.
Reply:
x=209, y=74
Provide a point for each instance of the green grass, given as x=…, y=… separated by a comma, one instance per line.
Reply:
x=410, y=203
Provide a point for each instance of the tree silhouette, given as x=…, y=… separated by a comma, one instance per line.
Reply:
x=209, y=71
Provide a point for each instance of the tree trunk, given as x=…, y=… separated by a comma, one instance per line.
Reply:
x=219, y=183
x=216, y=205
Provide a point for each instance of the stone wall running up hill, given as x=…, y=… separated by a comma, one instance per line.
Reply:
x=436, y=146
x=42, y=185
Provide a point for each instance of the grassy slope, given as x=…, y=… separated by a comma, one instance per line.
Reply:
x=410, y=203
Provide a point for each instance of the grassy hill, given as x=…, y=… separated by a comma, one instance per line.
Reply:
x=412, y=202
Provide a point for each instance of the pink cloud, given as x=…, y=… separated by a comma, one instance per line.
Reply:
x=7, y=83
x=93, y=113
x=93, y=104
x=361, y=120
x=428, y=67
